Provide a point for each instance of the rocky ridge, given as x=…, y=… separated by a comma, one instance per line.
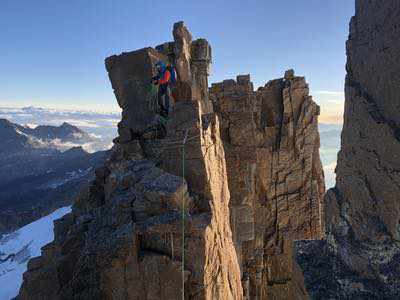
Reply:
x=275, y=178
x=238, y=170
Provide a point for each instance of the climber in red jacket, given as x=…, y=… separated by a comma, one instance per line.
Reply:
x=162, y=79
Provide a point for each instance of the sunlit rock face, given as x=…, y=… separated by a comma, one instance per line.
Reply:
x=276, y=183
x=124, y=237
x=207, y=202
x=362, y=254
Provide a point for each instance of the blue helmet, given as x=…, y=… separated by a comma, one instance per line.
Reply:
x=162, y=66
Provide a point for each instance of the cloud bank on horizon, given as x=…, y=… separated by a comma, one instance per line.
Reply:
x=101, y=126
x=331, y=104
x=104, y=125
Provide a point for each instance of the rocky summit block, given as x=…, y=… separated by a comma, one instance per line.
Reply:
x=204, y=204
x=130, y=75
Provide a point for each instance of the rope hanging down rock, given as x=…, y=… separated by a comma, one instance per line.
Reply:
x=183, y=214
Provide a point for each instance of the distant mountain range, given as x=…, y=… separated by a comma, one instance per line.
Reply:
x=36, y=176
x=101, y=127
x=16, y=137
x=66, y=132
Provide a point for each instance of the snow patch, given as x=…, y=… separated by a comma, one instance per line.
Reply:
x=18, y=247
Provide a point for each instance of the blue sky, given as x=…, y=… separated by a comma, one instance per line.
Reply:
x=52, y=52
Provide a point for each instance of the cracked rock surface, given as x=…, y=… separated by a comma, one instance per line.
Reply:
x=363, y=209
x=271, y=143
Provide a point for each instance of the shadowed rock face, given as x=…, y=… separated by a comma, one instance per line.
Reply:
x=248, y=181
x=363, y=209
x=369, y=160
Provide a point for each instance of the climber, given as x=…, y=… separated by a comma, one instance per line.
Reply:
x=163, y=80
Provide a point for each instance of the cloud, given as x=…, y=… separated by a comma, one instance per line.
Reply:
x=331, y=118
x=330, y=167
x=75, y=122
x=10, y=110
x=24, y=115
x=95, y=136
x=82, y=105
x=64, y=146
x=331, y=104
x=113, y=122
x=102, y=126
x=329, y=93
x=6, y=116
x=330, y=176
x=51, y=116
x=82, y=123
x=31, y=125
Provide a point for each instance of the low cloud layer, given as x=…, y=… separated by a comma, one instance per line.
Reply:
x=103, y=126
x=332, y=106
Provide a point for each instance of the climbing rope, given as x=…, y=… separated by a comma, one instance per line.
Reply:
x=174, y=144
x=183, y=214
x=152, y=99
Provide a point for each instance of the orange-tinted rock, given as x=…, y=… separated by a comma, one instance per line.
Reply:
x=275, y=178
x=240, y=167
x=125, y=237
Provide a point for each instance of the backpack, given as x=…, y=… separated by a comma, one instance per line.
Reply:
x=173, y=73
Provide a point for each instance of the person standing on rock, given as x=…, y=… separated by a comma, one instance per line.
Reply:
x=163, y=80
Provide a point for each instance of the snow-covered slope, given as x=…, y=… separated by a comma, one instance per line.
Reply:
x=18, y=247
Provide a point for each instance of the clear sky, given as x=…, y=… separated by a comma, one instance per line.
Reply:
x=52, y=51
